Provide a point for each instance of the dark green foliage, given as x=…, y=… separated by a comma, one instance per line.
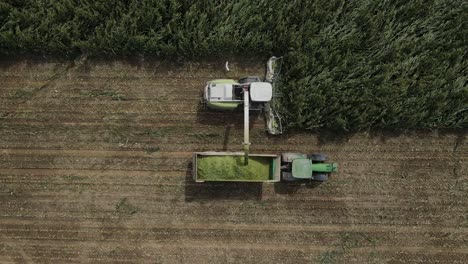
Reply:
x=347, y=64
x=386, y=64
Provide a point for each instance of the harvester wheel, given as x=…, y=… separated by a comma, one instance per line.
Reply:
x=202, y=101
x=250, y=79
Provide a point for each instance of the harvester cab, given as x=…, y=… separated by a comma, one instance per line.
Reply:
x=228, y=94
x=302, y=167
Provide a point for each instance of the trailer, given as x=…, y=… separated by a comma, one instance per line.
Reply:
x=230, y=166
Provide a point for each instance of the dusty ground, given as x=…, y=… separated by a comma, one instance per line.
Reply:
x=95, y=167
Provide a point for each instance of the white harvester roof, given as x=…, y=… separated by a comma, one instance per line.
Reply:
x=261, y=91
x=220, y=92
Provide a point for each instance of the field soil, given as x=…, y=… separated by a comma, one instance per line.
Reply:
x=95, y=167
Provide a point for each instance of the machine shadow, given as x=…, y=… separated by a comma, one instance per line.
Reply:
x=208, y=191
x=293, y=187
x=228, y=119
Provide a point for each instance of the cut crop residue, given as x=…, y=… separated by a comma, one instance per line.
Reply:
x=234, y=168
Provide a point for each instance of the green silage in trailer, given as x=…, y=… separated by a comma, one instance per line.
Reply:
x=233, y=168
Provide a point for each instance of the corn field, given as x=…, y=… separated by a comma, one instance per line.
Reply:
x=348, y=65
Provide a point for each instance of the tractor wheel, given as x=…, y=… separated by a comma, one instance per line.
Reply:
x=287, y=176
x=320, y=177
x=202, y=101
x=290, y=156
x=318, y=157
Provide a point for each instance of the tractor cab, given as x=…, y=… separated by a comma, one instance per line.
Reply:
x=301, y=168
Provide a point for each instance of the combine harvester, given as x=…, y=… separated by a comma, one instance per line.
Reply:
x=253, y=93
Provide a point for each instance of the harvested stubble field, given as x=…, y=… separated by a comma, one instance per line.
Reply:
x=95, y=167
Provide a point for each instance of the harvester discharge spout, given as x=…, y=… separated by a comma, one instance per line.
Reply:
x=246, y=144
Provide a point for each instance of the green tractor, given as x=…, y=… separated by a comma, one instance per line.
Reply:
x=301, y=167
